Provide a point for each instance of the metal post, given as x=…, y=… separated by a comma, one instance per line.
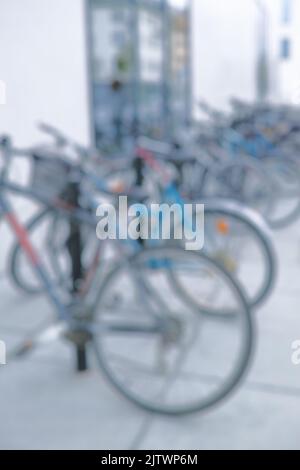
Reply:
x=136, y=79
x=262, y=72
x=189, y=65
x=166, y=68
x=74, y=245
x=89, y=68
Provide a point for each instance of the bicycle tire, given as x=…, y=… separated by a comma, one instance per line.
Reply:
x=243, y=359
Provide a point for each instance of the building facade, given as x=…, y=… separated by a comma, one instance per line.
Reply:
x=139, y=66
x=49, y=79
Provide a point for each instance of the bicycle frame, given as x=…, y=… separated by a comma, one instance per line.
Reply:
x=64, y=313
x=21, y=234
x=33, y=257
x=70, y=212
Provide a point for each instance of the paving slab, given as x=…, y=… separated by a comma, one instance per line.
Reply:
x=46, y=405
x=251, y=420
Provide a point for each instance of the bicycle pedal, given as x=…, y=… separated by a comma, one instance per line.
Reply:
x=24, y=349
x=78, y=337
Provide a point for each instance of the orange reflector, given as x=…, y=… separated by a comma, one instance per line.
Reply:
x=118, y=187
x=222, y=227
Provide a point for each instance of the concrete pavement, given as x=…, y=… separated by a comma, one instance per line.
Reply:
x=44, y=405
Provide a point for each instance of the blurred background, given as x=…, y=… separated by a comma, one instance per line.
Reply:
x=103, y=70
x=60, y=59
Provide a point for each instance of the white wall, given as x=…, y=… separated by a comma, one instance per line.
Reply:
x=225, y=49
x=285, y=74
x=42, y=61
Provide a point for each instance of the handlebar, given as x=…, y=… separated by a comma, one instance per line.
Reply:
x=5, y=151
x=62, y=141
x=5, y=141
x=57, y=135
x=214, y=114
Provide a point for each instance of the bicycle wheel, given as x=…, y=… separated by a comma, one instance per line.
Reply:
x=285, y=174
x=239, y=239
x=157, y=349
x=286, y=181
x=21, y=272
x=49, y=231
x=247, y=182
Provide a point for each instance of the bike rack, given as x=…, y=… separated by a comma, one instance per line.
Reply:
x=74, y=246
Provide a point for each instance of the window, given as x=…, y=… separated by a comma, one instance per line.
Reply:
x=118, y=16
x=286, y=11
x=285, y=49
x=154, y=41
x=154, y=67
x=144, y=67
x=118, y=38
